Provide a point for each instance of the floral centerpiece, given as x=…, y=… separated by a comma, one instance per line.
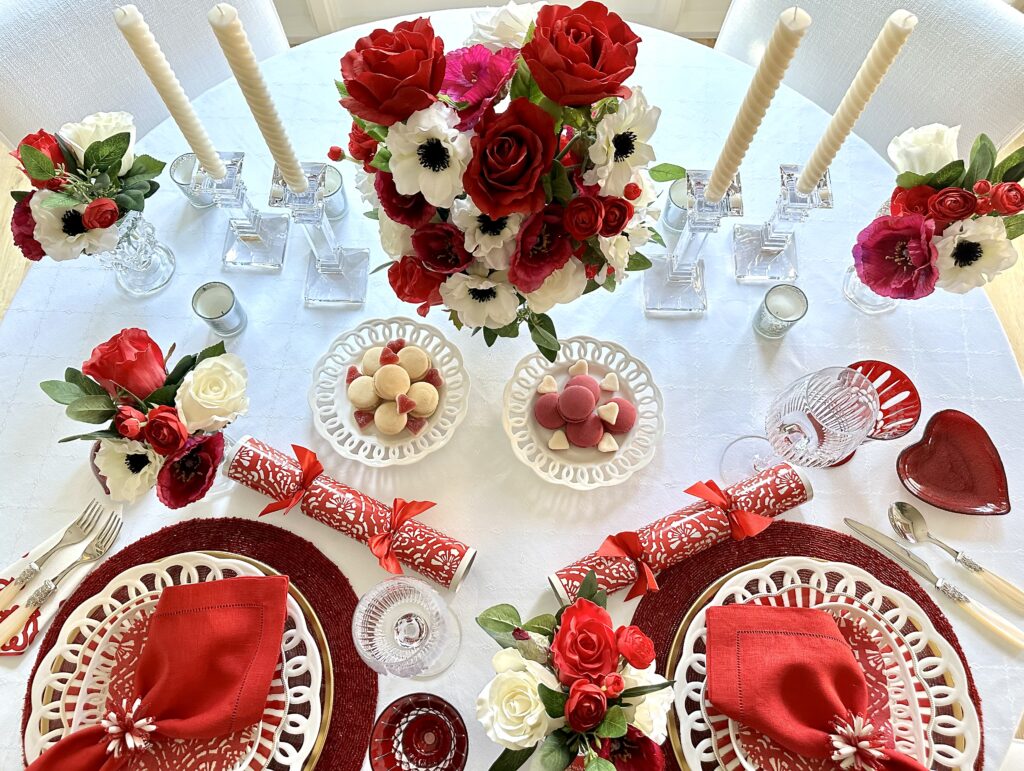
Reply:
x=164, y=428
x=572, y=691
x=950, y=222
x=86, y=179
x=510, y=175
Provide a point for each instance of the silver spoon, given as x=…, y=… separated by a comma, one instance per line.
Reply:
x=910, y=525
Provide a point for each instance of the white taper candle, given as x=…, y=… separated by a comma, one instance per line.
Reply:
x=881, y=56
x=135, y=30
x=235, y=45
x=789, y=31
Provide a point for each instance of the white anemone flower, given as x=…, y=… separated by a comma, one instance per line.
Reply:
x=621, y=146
x=972, y=253
x=62, y=235
x=429, y=155
x=563, y=286
x=491, y=241
x=129, y=468
x=481, y=300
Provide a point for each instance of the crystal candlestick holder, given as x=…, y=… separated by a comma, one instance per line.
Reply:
x=768, y=252
x=255, y=239
x=336, y=274
x=675, y=285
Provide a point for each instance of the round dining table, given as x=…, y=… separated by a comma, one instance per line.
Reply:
x=716, y=375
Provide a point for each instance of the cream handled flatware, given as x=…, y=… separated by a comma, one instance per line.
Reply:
x=910, y=524
x=986, y=617
x=76, y=532
x=98, y=546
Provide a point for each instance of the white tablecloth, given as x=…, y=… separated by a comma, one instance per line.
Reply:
x=716, y=376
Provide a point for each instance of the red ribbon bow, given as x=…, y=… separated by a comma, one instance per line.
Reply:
x=311, y=469
x=381, y=544
x=743, y=523
x=627, y=545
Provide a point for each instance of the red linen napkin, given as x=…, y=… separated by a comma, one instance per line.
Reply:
x=205, y=672
x=790, y=674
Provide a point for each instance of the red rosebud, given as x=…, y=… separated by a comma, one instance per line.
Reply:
x=164, y=431
x=613, y=685
x=586, y=706
x=23, y=229
x=635, y=647
x=912, y=200
x=584, y=645
x=45, y=143
x=984, y=207
x=335, y=153
x=952, y=203
x=982, y=187
x=1008, y=198
x=590, y=269
x=617, y=214
x=583, y=217
x=129, y=422
x=129, y=360
x=100, y=213
x=632, y=191
x=362, y=147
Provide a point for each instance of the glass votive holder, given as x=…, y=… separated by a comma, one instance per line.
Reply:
x=215, y=303
x=676, y=206
x=183, y=171
x=335, y=200
x=783, y=306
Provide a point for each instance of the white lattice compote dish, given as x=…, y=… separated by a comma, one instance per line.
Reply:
x=334, y=415
x=584, y=468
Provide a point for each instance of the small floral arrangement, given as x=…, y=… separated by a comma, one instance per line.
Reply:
x=950, y=223
x=511, y=175
x=87, y=177
x=165, y=427
x=574, y=690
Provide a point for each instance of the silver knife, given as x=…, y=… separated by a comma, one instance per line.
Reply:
x=988, y=618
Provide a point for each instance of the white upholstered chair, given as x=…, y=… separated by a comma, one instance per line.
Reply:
x=64, y=59
x=962, y=65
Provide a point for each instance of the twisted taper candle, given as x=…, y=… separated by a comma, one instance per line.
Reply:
x=881, y=56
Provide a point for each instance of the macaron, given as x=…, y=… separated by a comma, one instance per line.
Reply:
x=390, y=381
x=545, y=412
x=426, y=398
x=576, y=403
x=415, y=361
x=586, y=433
x=362, y=394
x=587, y=382
x=389, y=420
x=371, y=360
x=627, y=416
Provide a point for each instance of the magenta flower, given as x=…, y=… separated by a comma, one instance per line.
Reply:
x=188, y=475
x=477, y=76
x=896, y=258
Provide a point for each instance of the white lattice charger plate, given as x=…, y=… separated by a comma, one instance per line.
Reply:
x=584, y=468
x=334, y=416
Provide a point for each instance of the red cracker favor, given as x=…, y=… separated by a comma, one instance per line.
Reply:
x=632, y=559
x=393, y=534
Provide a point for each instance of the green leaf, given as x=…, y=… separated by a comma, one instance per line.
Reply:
x=106, y=433
x=70, y=159
x=1010, y=163
x=588, y=586
x=666, y=172
x=614, y=724
x=499, y=622
x=1014, y=226
x=490, y=336
x=130, y=200
x=510, y=760
x=554, y=701
x=58, y=200
x=217, y=349
x=61, y=391
x=378, y=132
x=372, y=214
x=638, y=261
x=342, y=89
x=543, y=624
x=599, y=764
x=509, y=330
x=523, y=84
x=600, y=598
x=656, y=237
x=561, y=187
x=1014, y=173
x=36, y=163
x=106, y=154
x=983, y=158
x=552, y=108
x=86, y=385
x=948, y=176
x=548, y=192
x=643, y=690
x=152, y=187
x=181, y=369
x=382, y=159
x=610, y=283
x=909, y=179
x=164, y=395
x=144, y=167
x=20, y=195
x=382, y=266
x=554, y=753
x=91, y=409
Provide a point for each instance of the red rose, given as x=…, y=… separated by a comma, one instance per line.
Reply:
x=583, y=217
x=47, y=145
x=1008, y=198
x=579, y=56
x=542, y=247
x=412, y=283
x=617, y=213
x=188, y=475
x=633, y=752
x=613, y=685
x=586, y=706
x=411, y=210
x=440, y=248
x=128, y=422
x=584, y=645
x=912, y=200
x=164, y=430
x=952, y=203
x=512, y=153
x=635, y=647
x=391, y=75
x=23, y=229
x=100, y=213
x=362, y=147
x=129, y=360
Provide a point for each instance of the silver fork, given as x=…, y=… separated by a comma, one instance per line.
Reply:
x=98, y=546
x=76, y=532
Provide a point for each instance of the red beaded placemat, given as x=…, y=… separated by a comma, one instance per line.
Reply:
x=314, y=574
x=660, y=614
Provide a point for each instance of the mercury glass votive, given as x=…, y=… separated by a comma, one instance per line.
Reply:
x=215, y=303
x=184, y=170
x=783, y=306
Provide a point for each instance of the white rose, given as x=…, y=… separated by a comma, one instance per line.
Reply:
x=503, y=27
x=213, y=393
x=364, y=184
x=563, y=286
x=395, y=237
x=650, y=714
x=510, y=709
x=924, y=150
x=616, y=250
x=98, y=127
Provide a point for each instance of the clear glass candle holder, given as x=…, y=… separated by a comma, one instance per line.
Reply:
x=216, y=304
x=782, y=307
x=335, y=200
x=184, y=172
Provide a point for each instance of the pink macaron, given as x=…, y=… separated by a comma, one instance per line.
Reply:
x=545, y=412
x=587, y=382
x=627, y=416
x=586, y=433
x=576, y=403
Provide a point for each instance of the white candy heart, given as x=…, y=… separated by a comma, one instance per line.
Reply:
x=609, y=412
x=558, y=441
x=608, y=444
x=610, y=382
x=547, y=385
x=579, y=368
